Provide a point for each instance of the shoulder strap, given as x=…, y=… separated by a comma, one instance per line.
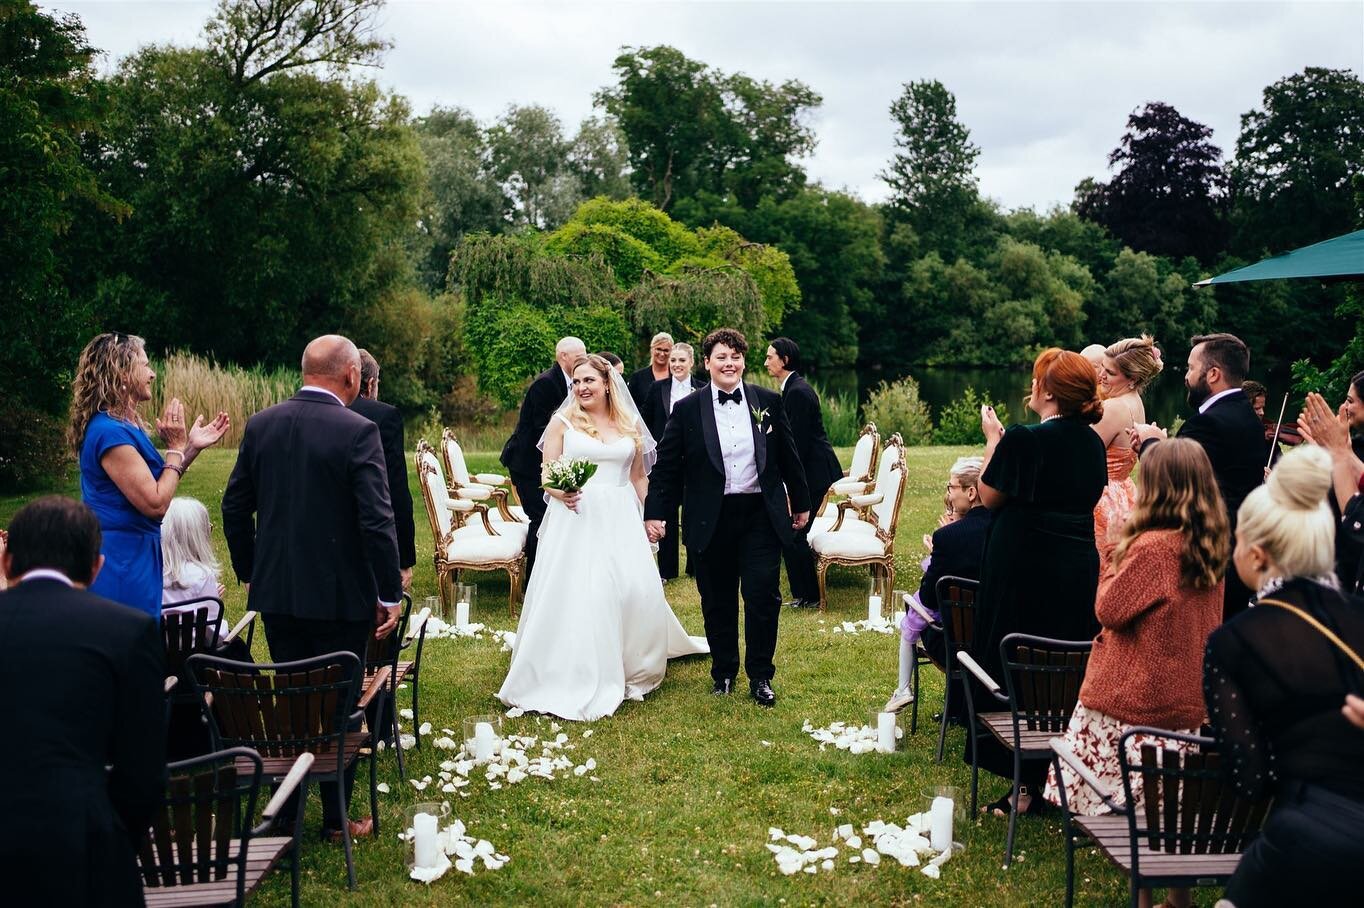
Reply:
x=1325, y=631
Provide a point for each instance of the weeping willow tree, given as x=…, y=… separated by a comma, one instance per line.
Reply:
x=691, y=304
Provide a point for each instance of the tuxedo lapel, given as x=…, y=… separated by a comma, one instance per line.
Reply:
x=759, y=436
x=710, y=433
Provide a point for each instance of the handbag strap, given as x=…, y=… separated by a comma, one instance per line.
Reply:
x=1326, y=631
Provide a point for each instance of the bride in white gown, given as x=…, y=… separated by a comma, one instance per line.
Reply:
x=595, y=628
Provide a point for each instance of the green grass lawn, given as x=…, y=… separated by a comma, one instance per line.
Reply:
x=687, y=787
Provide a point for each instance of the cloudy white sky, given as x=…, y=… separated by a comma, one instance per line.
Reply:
x=1045, y=88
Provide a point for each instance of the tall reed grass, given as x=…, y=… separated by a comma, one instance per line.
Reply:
x=205, y=387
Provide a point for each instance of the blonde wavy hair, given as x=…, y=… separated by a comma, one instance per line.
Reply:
x=103, y=375
x=1179, y=492
x=1138, y=359
x=579, y=418
x=1289, y=516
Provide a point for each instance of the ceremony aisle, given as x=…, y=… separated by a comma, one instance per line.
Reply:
x=687, y=784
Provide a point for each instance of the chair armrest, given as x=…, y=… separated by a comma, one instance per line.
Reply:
x=1067, y=756
x=240, y=626
x=377, y=682
x=843, y=508
x=297, y=774
x=869, y=499
x=981, y=675
x=474, y=493
x=415, y=625
x=169, y=686
x=490, y=479
x=853, y=486
x=460, y=504
x=923, y=612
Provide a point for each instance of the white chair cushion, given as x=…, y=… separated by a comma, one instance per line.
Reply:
x=490, y=479
x=850, y=525
x=871, y=498
x=848, y=545
x=848, y=486
x=474, y=493
x=478, y=549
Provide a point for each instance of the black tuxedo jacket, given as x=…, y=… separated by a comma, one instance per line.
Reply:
x=390, y=423
x=689, y=457
x=640, y=382
x=322, y=545
x=1234, y=439
x=807, y=426
x=87, y=675
x=656, y=402
x=520, y=455
x=958, y=550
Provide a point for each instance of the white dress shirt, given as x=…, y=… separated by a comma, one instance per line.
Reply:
x=1203, y=407
x=679, y=390
x=330, y=394
x=46, y=574
x=784, y=379
x=733, y=422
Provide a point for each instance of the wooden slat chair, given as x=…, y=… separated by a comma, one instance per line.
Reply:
x=1042, y=680
x=284, y=710
x=864, y=531
x=492, y=487
x=199, y=848
x=1190, y=827
x=861, y=471
x=461, y=543
x=388, y=652
x=193, y=627
x=957, y=607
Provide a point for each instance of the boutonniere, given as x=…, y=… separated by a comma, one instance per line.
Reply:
x=758, y=415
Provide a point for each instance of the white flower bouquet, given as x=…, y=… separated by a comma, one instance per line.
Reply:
x=569, y=476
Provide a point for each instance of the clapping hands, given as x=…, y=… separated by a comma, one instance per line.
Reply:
x=171, y=428
x=990, y=425
x=1319, y=425
x=1141, y=433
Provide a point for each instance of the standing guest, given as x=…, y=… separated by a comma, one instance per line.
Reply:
x=1041, y=568
x=1256, y=393
x=124, y=480
x=86, y=769
x=641, y=380
x=1332, y=432
x=1158, y=601
x=658, y=406
x=4, y=543
x=955, y=550
x=1095, y=353
x=310, y=528
x=1128, y=368
x=817, y=456
x=1275, y=677
x=1227, y=428
x=390, y=423
x=616, y=362
x=521, y=453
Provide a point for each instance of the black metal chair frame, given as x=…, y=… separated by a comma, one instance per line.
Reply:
x=386, y=652
x=954, y=611
x=1186, y=816
x=318, y=730
x=1033, y=706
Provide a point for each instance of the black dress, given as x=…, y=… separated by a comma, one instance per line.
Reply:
x=1041, y=569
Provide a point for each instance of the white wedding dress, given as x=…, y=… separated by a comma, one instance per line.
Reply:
x=595, y=628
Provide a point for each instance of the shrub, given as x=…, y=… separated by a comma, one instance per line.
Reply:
x=959, y=422
x=33, y=451
x=839, y=411
x=897, y=407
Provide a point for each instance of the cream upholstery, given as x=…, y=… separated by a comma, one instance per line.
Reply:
x=479, y=487
x=849, y=545
x=861, y=529
x=860, y=473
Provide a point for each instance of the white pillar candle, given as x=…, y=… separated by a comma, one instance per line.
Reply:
x=426, y=848
x=485, y=742
x=940, y=823
x=461, y=614
x=874, y=609
x=885, y=732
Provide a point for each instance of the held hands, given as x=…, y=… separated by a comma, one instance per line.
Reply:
x=1141, y=433
x=655, y=530
x=990, y=425
x=1322, y=427
x=798, y=521
x=385, y=619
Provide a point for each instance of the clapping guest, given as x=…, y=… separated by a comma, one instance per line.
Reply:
x=1275, y=677
x=641, y=380
x=124, y=480
x=1332, y=432
x=658, y=406
x=1126, y=371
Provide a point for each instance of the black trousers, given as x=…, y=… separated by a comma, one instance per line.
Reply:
x=668, y=560
x=292, y=639
x=800, y=561
x=744, y=553
x=532, y=496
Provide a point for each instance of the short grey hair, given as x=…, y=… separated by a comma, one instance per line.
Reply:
x=684, y=347
x=966, y=471
x=659, y=338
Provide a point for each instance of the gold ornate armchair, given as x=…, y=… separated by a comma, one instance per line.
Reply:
x=861, y=471
x=478, y=487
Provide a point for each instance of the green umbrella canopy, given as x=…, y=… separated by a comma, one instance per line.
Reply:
x=1341, y=257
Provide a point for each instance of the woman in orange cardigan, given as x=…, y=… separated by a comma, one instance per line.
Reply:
x=1157, y=603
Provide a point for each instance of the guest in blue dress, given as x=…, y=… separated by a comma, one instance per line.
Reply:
x=124, y=480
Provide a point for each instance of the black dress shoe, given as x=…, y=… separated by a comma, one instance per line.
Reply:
x=723, y=687
x=803, y=603
x=762, y=692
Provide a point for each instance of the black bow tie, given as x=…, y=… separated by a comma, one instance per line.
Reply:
x=736, y=396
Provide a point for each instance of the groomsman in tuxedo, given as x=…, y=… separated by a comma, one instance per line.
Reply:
x=729, y=447
x=816, y=456
x=390, y=423
x=521, y=454
x=309, y=526
x=641, y=380
x=663, y=396
x=1227, y=428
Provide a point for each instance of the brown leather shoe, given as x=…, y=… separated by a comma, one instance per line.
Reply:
x=358, y=829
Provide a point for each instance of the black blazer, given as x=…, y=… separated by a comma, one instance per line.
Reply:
x=689, y=456
x=655, y=409
x=87, y=678
x=640, y=382
x=1234, y=439
x=322, y=545
x=958, y=550
x=520, y=455
x=817, y=456
x=390, y=423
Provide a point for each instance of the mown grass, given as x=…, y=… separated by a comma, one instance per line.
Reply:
x=688, y=789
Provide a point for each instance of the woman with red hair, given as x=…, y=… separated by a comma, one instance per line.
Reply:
x=1041, y=569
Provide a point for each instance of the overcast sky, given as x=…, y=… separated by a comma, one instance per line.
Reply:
x=1045, y=88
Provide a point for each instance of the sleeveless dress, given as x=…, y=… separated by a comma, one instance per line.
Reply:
x=1115, y=504
x=595, y=628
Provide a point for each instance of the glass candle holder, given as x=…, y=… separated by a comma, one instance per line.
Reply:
x=422, y=831
x=432, y=604
x=466, y=601
x=482, y=737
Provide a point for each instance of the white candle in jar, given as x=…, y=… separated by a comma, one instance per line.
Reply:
x=426, y=848
x=461, y=614
x=485, y=742
x=885, y=732
x=874, y=609
x=940, y=823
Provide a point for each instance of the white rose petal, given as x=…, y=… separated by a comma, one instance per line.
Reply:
x=870, y=856
x=931, y=871
x=382, y=788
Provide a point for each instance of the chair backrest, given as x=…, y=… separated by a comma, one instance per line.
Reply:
x=957, y=606
x=863, y=464
x=432, y=481
x=385, y=651
x=279, y=709
x=189, y=631
x=1188, y=805
x=1042, y=677
x=190, y=840
x=890, y=481
x=455, y=467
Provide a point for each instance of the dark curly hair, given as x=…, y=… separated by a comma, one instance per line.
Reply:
x=732, y=339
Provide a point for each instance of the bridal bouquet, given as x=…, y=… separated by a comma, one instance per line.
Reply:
x=569, y=476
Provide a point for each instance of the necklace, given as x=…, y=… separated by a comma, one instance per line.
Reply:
x=1051, y=417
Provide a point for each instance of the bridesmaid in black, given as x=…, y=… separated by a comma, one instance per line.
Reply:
x=1041, y=568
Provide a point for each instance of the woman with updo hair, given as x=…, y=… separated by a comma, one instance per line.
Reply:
x=1275, y=677
x=1125, y=371
x=1040, y=569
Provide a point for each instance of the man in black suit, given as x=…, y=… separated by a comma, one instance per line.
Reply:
x=521, y=454
x=320, y=556
x=730, y=447
x=817, y=456
x=87, y=675
x=1227, y=428
x=658, y=405
x=641, y=380
x=390, y=423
